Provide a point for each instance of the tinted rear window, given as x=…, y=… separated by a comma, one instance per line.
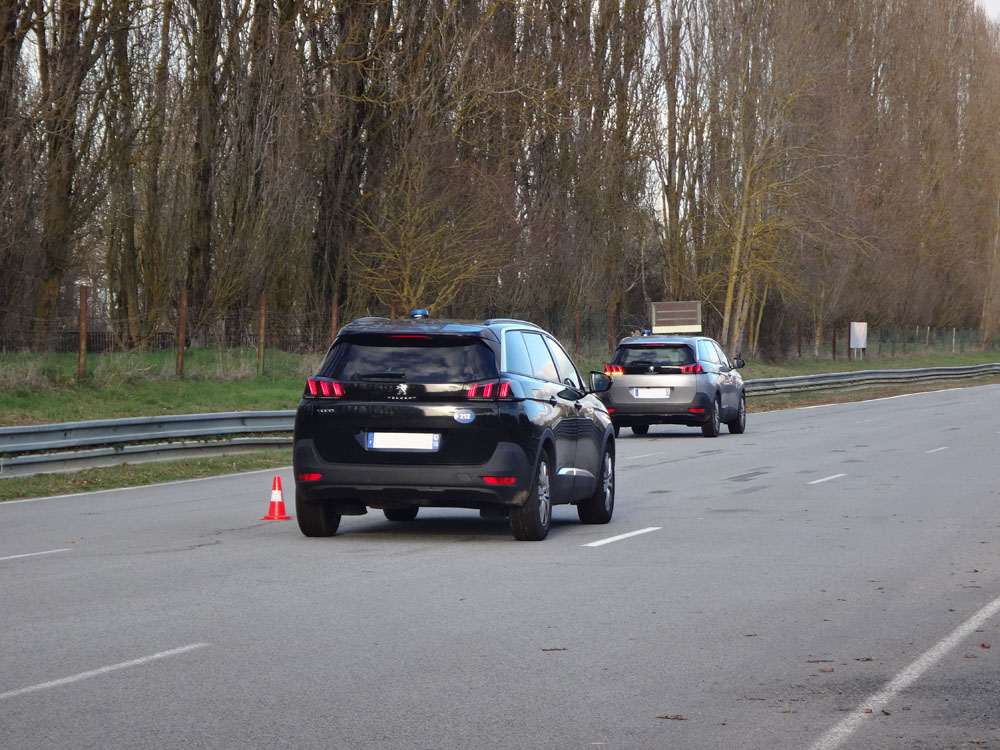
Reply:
x=665, y=355
x=434, y=359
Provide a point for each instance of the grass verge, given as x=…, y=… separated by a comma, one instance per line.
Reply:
x=137, y=475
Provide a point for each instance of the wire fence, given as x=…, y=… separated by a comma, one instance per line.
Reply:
x=310, y=333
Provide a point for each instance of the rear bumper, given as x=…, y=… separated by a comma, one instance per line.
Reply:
x=352, y=487
x=633, y=411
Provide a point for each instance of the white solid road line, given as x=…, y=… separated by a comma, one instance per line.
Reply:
x=938, y=450
x=875, y=703
x=144, y=486
x=618, y=538
x=827, y=479
x=33, y=554
x=103, y=670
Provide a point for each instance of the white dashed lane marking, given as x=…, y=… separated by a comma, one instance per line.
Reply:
x=827, y=479
x=618, y=538
x=34, y=554
x=101, y=671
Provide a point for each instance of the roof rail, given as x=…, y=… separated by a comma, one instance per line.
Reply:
x=493, y=321
x=369, y=319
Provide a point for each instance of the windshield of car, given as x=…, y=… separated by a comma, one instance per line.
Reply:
x=654, y=354
x=414, y=359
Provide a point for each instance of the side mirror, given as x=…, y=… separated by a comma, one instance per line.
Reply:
x=738, y=363
x=599, y=382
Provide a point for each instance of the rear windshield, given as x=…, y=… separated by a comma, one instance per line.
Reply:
x=647, y=354
x=419, y=359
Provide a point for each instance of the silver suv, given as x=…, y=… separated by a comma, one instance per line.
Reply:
x=684, y=380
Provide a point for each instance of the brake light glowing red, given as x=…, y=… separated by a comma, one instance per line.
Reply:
x=310, y=477
x=614, y=370
x=691, y=369
x=488, y=390
x=328, y=388
x=697, y=411
x=505, y=481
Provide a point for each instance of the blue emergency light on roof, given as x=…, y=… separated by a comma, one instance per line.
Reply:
x=646, y=332
x=419, y=314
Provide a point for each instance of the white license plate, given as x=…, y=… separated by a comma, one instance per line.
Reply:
x=404, y=441
x=650, y=393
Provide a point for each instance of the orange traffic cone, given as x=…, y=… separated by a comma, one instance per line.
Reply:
x=277, y=511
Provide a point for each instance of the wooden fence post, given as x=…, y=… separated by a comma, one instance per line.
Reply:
x=333, y=316
x=181, y=333
x=81, y=363
x=261, y=335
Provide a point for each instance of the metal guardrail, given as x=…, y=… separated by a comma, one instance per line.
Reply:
x=71, y=446
x=861, y=378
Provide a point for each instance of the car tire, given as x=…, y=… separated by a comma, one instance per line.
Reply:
x=530, y=522
x=640, y=429
x=315, y=519
x=617, y=429
x=739, y=425
x=599, y=507
x=401, y=514
x=713, y=425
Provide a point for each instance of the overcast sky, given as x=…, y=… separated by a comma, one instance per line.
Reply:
x=992, y=8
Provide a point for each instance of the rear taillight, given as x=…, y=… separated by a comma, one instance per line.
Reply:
x=324, y=388
x=614, y=370
x=691, y=369
x=489, y=390
x=310, y=477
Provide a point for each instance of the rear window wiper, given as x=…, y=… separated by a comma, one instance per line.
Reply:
x=387, y=374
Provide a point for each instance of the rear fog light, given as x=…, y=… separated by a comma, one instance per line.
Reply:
x=500, y=480
x=310, y=477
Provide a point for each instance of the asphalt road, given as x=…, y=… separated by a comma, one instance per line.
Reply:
x=830, y=579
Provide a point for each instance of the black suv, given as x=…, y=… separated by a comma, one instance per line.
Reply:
x=491, y=416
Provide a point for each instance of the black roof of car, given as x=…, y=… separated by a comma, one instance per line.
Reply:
x=431, y=325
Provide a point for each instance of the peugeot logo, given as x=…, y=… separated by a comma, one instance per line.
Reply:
x=652, y=369
x=402, y=394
